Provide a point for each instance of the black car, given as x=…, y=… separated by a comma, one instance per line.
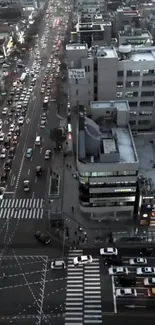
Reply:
x=113, y=260
x=4, y=178
x=125, y=281
x=7, y=142
x=7, y=165
x=38, y=170
x=11, y=152
x=45, y=239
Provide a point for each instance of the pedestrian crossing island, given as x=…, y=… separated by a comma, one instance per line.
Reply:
x=21, y=209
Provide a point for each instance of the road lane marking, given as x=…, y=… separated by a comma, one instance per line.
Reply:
x=29, y=172
x=114, y=294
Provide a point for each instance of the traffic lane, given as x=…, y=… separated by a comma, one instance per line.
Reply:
x=128, y=319
x=28, y=132
x=137, y=304
x=106, y=290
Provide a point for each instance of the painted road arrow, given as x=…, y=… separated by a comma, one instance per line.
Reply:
x=135, y=306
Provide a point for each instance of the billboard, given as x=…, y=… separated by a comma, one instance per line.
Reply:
x=76, y=73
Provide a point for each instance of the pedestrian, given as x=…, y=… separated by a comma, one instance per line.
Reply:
x=4, y=275
x=79, y=238
x=75, y=233
x=79, y=228
x=70, y=166
x=67, y=165
x=72, y=208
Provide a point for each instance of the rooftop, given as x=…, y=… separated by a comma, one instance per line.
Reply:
x=106, y=136
x=145, y=145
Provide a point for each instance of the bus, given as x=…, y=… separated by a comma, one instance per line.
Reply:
x=23, y=76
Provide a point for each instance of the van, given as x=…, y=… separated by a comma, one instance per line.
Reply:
x=38, y=141
x=58, y=265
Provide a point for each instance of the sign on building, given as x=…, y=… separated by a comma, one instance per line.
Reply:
x=76, y=73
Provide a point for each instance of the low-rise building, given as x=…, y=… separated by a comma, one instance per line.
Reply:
x=92, y=33
x=107, y=161
x=137, y=37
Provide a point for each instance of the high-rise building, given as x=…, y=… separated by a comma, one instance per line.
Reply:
x=107, y=73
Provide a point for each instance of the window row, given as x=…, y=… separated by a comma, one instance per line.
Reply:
x=130, y=94
x=141, y=113
x=114, y=173
x=131, y=73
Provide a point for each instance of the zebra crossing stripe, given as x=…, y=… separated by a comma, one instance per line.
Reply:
x=21, y=209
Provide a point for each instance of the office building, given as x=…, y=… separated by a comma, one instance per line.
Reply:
x=107, y=161
x=126, y=16
x=107, y=73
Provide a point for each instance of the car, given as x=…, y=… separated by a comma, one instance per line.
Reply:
x=83, y=259
x=7, y=142
x=2, y=191
x=46, y=99
x=1, y=124
x=45, y=239
x=38, y=170
x=126, y=292
x=17, y=131
x=15, y=139
x=138, y=261
x=145, y=270
x=4, y=178
x=26, y=185
x=7, y=165
x=58, y=265
x=21, y=120
x=120, y=270
x=42, y=90
x=3, y=153
x=4, y=110
x=2, y=136
x=12, y=127
x=42, y=124
x=113, y=260
x=47, y=154
x=29, y=153
x=125, y=281
x=44, y=116
x=151, y=292
x=109, y=251
x=11, y=152
x=149, y=282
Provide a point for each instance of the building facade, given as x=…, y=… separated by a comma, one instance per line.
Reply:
x=107, y=161
x=107, y=73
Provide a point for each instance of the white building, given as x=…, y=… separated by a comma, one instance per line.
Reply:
x=107, y=73
x=107, y=161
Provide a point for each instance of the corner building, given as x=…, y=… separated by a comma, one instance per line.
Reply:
x=107, y=161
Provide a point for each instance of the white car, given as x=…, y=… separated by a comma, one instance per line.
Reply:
x=120, y=270
x=138, y=261
x=3, y=153
x=46, y=99
x=145, y=270
x=12, y=127
x=21, y=120
x=83, y=259
x=126, y=292
x=110, y=251
x=2, y=190
x=4, y=110
x=1, y=124
x=149, y=282
x=2, y=135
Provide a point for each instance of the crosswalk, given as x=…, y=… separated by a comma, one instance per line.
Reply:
x=21, y=209
x=83, y=292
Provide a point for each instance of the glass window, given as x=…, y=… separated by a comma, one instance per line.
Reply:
x=120, y=73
